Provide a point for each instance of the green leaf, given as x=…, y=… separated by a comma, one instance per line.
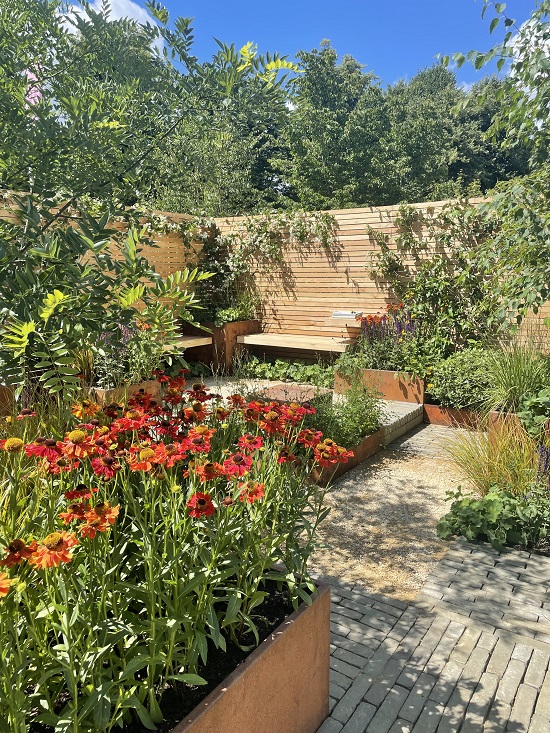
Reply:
x=189, y=679
x=494, y=24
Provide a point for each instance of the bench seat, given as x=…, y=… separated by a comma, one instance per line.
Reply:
x=292, y=341
x=188, y=342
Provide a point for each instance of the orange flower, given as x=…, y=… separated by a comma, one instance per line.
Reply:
x=86, y=408
x=104, y=512
x=53, y=550
x=75, y=511
x=251, y=491
x=5, y=584
x=209, y=471
x=200, y=505
x=78, y=444
x=90, y=529
x=17, y=552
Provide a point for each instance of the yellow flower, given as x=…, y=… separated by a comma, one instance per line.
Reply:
x=13, y=445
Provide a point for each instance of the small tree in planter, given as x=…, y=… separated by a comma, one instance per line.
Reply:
x=70, y=289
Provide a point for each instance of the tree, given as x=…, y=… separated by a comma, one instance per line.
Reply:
x=333, y=136
x=519, y=253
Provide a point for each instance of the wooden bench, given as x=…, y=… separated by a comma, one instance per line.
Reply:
x=344, y=318
x=291, y=341
x=188, y=342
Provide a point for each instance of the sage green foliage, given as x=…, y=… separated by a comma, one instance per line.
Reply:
x=515, y=372
x=534, y=413
x=316, y=374
x=347, y=418
x=500, y=518
x=462, y=380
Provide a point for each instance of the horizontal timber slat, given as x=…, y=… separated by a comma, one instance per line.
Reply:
x=284, y=340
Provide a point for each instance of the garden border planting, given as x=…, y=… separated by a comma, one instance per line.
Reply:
x=369, y=446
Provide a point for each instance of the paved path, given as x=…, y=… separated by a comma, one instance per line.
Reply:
x=426, y=440
x=470, y=655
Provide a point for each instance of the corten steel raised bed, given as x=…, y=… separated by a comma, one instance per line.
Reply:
x=281, y=687
x=118, y=394
x=224, y=343
x=391, y=385
x=369, y=446
x=451, y=416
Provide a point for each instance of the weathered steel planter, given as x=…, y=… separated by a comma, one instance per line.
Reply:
x=392, y=385
x=452, y=416
x=369, y=446
x=224, y=342
x=281, y=687
x=118, y=394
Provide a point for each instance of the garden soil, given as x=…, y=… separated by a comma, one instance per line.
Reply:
x=380, y=533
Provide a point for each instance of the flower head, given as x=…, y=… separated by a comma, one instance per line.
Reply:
x=18, y=551
x=13, y=445
x=200, y=505
x=249, y=442
x=5, y=584
x=237, y=465
x=54, y=550
x=251, y=491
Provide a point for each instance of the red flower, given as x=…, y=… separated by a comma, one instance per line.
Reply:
x=132, y=420
x=285, y=456
x=200, y=505
x=26, y=413
x=220, y=413
x=236, y=400
x=237, y=465
x=106, y=466
x=18, y=551
x=81, y=492
x=62, y=463
x=309, y=438
x=209, y=471
x=91, y=528
x=251, y=491
x=44, y=448
x=198, y=439
x=249, y=442
x=271, y=422
x=77, y=444
x=171, y=453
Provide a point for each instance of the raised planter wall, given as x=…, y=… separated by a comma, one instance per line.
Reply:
x=224, y=343
x=437, y=415
x=104, y=396
x=392, y=385
x=369, y=446
x=281, y=687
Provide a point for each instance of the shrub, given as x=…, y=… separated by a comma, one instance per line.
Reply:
x=534, y=414
x=500, y=518
x=316, y=374
x=348, y=418
x=505, y=458
x=462, y=380
x=139, y=540
x=516, y=372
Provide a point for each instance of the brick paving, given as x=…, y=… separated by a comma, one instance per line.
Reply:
x=471, y=654
x=426, y=440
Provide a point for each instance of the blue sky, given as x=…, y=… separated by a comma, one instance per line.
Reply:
x=392, y=38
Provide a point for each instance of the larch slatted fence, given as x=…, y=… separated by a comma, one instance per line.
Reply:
x=299, y=295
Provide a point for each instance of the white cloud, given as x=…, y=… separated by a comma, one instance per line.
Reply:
x=124, y=9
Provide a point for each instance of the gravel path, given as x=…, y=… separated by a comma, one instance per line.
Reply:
x=381, y=528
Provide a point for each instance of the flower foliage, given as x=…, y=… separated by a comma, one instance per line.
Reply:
x=139, y=538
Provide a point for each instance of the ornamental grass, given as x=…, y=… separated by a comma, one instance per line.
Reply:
x=136, y=538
